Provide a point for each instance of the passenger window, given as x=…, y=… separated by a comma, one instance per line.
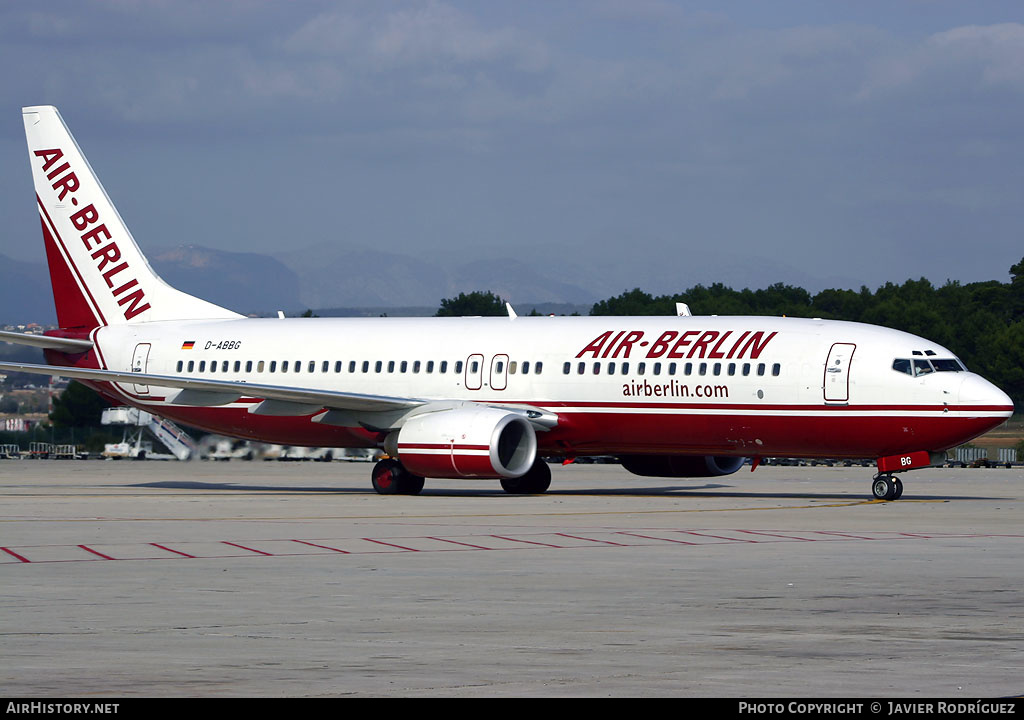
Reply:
x=689, y=368
x=180, y=365
x=746, y=369
x=717, y=369
x=657, y=368
x=671, y=368
x=416, y=366
x=581, y=368
x=366, y=366
x=284, y=366
x=444, y=367
x=538, y=368
x=760, y=369
x=378, y=366
x=202, y=366
x=732, y=369
x=641, y=368
x=405, y=366
x=259, y=366
x=458, y=367
x=391, y=366
x=430, y=366
x=703, y=369
x=273, y=366
x=498, y=367
x=625, y=368
x=611, y=368
x=238, y=365
x=248, y=365
x=191, y=365
x=566, y=367
x=776, y=369
x=597, y=368
x=526, y=367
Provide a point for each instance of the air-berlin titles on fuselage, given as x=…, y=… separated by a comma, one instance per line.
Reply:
x=65, y=182
x=710, y=344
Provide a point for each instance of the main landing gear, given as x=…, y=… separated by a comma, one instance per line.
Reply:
x=536, y=480
x=886, y=487
x=391, y=478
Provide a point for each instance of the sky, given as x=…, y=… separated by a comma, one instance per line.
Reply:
x=617, y=143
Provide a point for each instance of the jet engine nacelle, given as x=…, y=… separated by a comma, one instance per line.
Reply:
x=472, y=442
x=681, y=465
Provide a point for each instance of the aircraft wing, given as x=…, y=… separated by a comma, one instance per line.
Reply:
x=221, y=392
x=67, y=345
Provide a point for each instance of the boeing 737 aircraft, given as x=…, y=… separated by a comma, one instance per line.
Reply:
x=486, y=397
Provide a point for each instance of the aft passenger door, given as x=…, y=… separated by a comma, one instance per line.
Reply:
x=140, y=361
x=837, y=373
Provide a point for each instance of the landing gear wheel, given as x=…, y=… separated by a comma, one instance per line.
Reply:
x=391, y=478
x=883, y=487
x=899, y=488
x=536, y=480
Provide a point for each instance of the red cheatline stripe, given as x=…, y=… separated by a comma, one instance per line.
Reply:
x=15, y=555
x=95, y=552
x=172, y=550
x=325, y=547
x=243, y=547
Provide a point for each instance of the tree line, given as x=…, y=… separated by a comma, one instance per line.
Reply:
x=982, y=322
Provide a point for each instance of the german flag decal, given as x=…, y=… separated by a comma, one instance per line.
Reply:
x=187, y=345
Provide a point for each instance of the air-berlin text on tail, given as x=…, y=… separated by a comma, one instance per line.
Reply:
x=95, y=235
x=728, y=345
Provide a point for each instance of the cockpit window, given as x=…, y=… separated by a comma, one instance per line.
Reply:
x=922, y=367
x=919, y=366
x=902, y=366
x=948, y=365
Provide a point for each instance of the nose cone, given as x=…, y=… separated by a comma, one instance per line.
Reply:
x=978, y=394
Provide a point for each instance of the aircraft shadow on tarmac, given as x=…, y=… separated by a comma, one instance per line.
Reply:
x=708, y=490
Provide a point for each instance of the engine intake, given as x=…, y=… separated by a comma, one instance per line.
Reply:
x=681, y=465
x=471, y=442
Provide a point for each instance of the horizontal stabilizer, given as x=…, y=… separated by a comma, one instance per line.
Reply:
x=218, y=389
x=68, y=345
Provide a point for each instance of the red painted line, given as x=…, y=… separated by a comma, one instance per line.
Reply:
x=95, y=552
x=719, y=537
x=456, y=542
x=605, y=542
x=325, y=547
x=528, y=542
x=243, y=547
x=172, y=550
x=15, y=555
x=833, y=532
x=787, y=537
x=651, y=537
x=400, y=547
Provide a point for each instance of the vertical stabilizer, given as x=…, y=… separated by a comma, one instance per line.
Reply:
x=99, y=275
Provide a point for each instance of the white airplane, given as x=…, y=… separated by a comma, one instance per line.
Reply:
x=486, y=397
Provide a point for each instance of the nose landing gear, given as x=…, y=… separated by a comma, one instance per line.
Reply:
x=886, y=487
